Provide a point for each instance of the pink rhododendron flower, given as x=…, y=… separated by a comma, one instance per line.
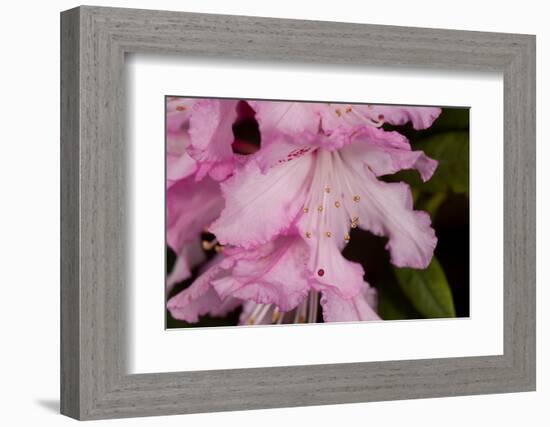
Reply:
x=304, y=179
x=289, y=208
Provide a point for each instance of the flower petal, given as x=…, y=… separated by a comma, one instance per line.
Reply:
x=189, y=256
x=211, y=133
x=190, y=207
x=293, y=118
x=332, y=271
x=357, y=308
x=389, y=152
x=279, y=148
x=324, y=224
x=178, y=163
x=420, y=117
x=339, y=120
x=200, y=299
x=179, y=167
x=386, y=209
x=274, y=273
x=259, y=206
x=178, y=112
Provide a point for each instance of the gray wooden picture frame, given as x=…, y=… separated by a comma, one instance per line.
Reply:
x=94, y=41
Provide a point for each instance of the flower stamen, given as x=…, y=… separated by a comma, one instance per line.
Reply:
x=312, y=314
x=275, y=315
x=209, y=245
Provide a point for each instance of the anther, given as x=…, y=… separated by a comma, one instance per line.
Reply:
x=356, y=198
x=308, y=234
x=337, y=204
x=306, y=210
x=320, y=209
x=207, y=246
x=347, y=238
x=328, y=234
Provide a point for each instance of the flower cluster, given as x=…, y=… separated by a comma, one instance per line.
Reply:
x=282, y=214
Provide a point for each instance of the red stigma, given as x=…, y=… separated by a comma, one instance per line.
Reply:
x=321, y=272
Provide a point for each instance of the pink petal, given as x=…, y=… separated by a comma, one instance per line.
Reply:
x=259, y=206
x=339, y=120
x=389, y=152
x=293, y=118
x=216, y=170
x=274, y=273
x=357, y=308
x=420, y=117
x=179, y=167
x=178, y=112
x=211, y=133
x=200, y=299
x=324, y=224
x=386, y=209
x=332, y=271
x=279, y=148
x=189, y=256
x=178, y=163
x=190, y=207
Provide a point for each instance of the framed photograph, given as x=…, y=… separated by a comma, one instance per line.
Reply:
x=262, y=213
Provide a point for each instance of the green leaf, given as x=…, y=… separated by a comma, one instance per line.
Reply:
x=394, y=305
x=451, y=150
x=427, y=290
x=432, y=204
x=392, y=302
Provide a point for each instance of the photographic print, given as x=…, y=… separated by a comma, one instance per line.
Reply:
x=292, y=212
